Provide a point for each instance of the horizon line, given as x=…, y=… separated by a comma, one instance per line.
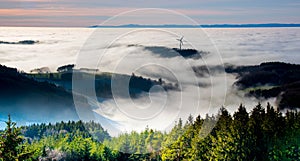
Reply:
x=246, y=25
x=223, y=25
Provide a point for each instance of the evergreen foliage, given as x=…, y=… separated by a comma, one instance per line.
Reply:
x=261, y=134
x=10, y=143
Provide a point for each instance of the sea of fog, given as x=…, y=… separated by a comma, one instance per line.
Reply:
x=147, y=53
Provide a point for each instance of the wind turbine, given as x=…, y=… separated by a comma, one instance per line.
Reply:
x=180, y=42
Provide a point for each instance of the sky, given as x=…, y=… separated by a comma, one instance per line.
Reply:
x=80, y=13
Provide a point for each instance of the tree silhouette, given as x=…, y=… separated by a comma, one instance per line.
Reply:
x=10, y=143
x=66, y=68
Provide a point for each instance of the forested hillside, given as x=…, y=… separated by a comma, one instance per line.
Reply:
x=270, y=79
x=25, y=98
x=42, y=97
x=260, y=134
x=103, y=81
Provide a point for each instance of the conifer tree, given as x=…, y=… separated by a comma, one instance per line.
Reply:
x=10, y=143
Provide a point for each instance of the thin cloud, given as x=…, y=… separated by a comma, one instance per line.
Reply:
x=94, y=12
x=197, y=12
x=63, y=12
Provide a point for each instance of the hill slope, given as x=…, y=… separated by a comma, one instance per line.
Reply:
x=28, y=99
x=271, y=79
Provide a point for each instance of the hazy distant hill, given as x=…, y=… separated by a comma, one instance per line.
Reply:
x=103, y=81
x=26, y=98
x=271, y=79
x=48, y=97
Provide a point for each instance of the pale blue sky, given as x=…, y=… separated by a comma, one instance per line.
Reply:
x=91, y=12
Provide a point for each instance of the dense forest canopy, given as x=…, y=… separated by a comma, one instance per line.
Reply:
x=261, y=134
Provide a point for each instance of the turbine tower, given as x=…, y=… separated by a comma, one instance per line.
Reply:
x=180, y=42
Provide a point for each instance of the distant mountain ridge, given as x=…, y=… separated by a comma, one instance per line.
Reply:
x=265, y=25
